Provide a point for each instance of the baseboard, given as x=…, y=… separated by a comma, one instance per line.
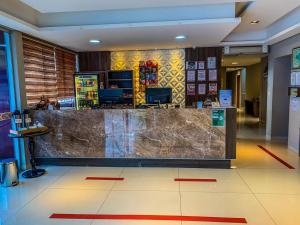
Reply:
x=104, y=162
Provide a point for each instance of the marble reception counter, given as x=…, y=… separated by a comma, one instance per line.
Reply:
x=158, y=134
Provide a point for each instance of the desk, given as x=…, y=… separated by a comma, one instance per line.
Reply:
x=137, y=137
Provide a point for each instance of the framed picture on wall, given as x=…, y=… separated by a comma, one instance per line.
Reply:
x=201, y=75
x=191, y=76
x=191, y=89
x=191, y=65
x=296, y=58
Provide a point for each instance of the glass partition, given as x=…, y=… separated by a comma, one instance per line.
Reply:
x=6, y=144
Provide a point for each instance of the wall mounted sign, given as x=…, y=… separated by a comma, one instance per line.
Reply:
x=191, y=65
x=201, y=89
x=191, y=76
x=148, y=72
x=191, y=89
x=211, y=62
x=212, y=74
x=201, y=75
x=213, y=88
x=295, y=104
x=225, y=98
x=296, y=58
x=218, y=117
x=295, y=78
x=201, y=65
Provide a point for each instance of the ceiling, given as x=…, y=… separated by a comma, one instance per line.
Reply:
x=50, y=6
x=155, y=36
x=141, y=24
x=267, y=12
x=241, y=60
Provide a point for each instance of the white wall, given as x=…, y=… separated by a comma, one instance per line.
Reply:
x=294, y=124
x=280, y=105
x=280, y=49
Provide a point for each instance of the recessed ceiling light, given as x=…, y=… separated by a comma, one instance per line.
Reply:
x=255, y=21
x=180, y=37
x=94, y=41
x=234, y=63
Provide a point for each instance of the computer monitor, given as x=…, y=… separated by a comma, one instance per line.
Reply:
x=158, y=95
x=112, y=96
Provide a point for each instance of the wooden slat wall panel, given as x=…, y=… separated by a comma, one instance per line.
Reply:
x=48, y=71
x=39, y=67
x=65, y=68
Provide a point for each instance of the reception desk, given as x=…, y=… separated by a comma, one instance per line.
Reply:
x=137, y=137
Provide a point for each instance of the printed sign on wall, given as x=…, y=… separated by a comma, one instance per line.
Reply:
x=218, y=117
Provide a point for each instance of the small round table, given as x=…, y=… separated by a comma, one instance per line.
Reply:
x=33, y=172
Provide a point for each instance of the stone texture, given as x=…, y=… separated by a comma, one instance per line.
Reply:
x=131, y=133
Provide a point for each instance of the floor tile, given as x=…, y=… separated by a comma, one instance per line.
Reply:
x=144, y=172
x=142, y=202
x=224, y=205
x=227, y=181
x=95, y=171
x=147, y=184
x=108, y=222
x=284, y=209
x=79, y=182
x=37, y=212
x=280, y=181
x=14, y=198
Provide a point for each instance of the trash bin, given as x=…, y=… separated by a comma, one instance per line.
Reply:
x=9, y=173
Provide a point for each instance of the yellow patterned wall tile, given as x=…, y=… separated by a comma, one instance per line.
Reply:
x=171, y=70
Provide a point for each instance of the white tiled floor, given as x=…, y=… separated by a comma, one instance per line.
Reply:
x=260, y=189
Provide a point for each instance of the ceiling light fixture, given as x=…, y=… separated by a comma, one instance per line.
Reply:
x=94, y=41
x=180, y=37
x=255, y=21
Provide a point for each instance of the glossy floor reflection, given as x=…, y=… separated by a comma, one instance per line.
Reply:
x=260, y=189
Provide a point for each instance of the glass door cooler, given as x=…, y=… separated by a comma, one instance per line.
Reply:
x=86, y=90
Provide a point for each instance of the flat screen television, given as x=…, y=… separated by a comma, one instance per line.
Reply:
x=158, y=95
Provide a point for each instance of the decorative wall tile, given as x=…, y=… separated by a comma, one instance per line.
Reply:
x=171, y=70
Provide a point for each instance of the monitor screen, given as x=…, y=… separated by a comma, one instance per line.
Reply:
x=110, y=95
x=159, y=95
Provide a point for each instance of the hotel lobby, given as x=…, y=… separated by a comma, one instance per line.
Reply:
x=149, y=112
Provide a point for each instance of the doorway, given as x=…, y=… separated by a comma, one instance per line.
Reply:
x=246, y=76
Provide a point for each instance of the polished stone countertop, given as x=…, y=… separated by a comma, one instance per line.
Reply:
x=131, y=133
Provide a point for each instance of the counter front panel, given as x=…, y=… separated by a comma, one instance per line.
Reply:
x=134, y=133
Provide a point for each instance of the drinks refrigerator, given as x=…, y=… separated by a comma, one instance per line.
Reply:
x=86, y=90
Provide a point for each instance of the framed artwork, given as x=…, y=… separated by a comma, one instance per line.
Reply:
x=201, y=89
x=213, y=75
x=213, y=88
x=201, y=65
x=201, y=75
x=296, y=58
x=211, y=62
x=191, y=76
x=191, y=65
x=191, y=89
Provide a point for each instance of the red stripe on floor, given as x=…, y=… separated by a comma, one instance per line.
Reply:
x=195, y=180
x=276, y=157
x=104, y=178
x=148, y=217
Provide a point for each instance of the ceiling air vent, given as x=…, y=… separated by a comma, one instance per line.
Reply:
x=245, y=50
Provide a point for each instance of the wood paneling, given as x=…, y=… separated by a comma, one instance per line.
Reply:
x=65, y=69
x=94, y=61
x=231, y=127
x=201, y=54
